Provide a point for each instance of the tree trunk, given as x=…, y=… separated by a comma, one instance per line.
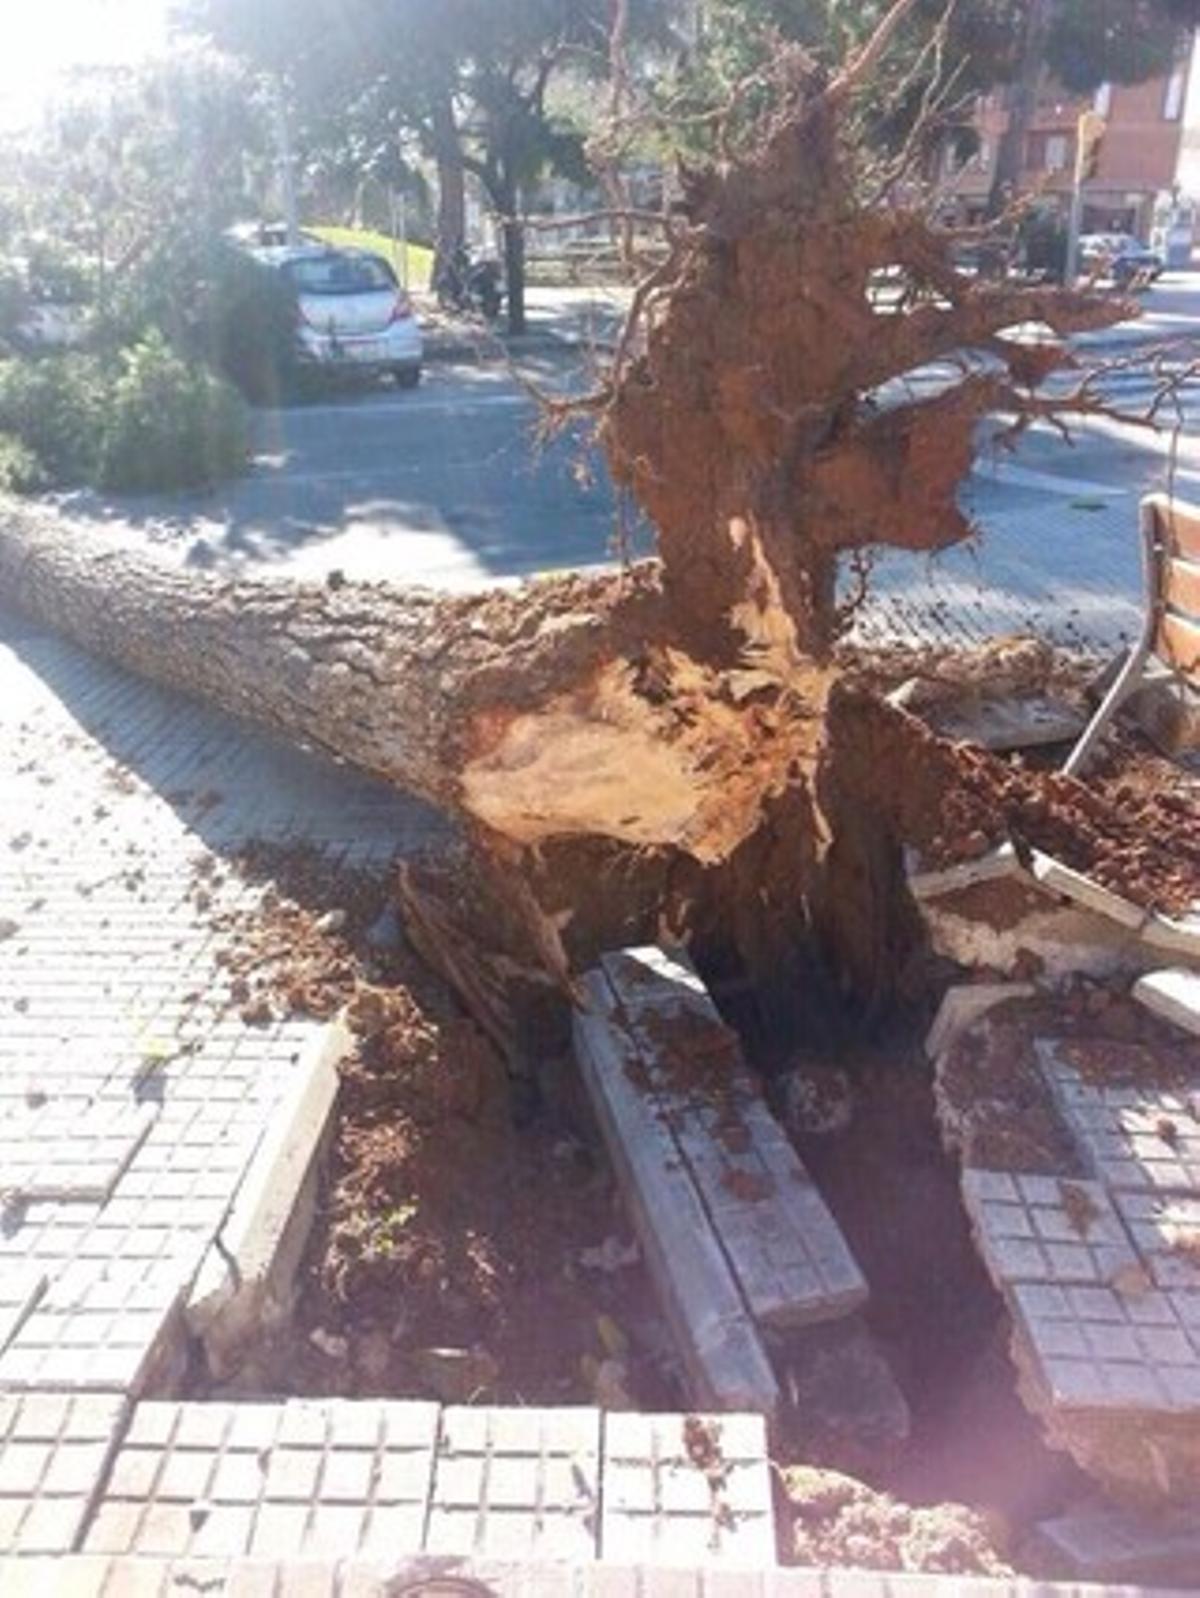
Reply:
x=1021, y=102
x=659, y=732
x=513, y=234
x=452, y=197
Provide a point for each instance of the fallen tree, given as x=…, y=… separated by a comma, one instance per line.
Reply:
x=658, y=729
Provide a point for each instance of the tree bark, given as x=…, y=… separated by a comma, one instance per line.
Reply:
x=452, y=195
x=1021, y=101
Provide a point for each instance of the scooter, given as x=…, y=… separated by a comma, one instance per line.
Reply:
x=468, y=285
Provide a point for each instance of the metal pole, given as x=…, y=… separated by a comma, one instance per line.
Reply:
x=404, y=238
x=287, y=168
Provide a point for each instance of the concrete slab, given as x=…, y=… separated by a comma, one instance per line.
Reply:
x=1172, y=994
x=1105, y=1543
x=787, y=1252
x=1136, y=1139
x=963, y=1005
x=247, y=1280
x=1046, y=1229
x=1166, y=1230
x=724, y=1357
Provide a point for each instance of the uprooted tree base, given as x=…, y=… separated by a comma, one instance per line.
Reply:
x=652, y=748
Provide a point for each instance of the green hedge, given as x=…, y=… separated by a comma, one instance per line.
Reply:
x=148, y=420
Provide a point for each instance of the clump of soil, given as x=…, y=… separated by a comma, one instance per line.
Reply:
x=455, y=1255
x=837, y=1521
x=1135, y=834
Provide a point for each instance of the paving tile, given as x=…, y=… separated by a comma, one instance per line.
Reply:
x=54, y=1450
x=1135, y=1139
x=1046, y=1229
x=1103, y=1349
x=516, y=1484
x=662, y=1507
x=57, y=1153
x=20, y=1288
x=1166, y=1230
x=274, y=1480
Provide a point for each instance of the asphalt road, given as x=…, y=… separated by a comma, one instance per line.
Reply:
x=449, y=486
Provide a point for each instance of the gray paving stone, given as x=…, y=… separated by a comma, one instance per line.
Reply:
x=1166, y=1230
x=661, y=1508
x=61, y=1152
x=1046, y=1229
x=54, y=1449
x=310, y=1479
x=1102, y=1542
x=1098, y=1348
x=516, y=1484
x=1136, y=1139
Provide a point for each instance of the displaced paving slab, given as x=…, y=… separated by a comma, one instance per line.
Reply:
x=1106, y=1543
x=1174, y=995
x=1101, y=1275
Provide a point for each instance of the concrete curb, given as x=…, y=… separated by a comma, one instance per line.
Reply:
x=247, y=1278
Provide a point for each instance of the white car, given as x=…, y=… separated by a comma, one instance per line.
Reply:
x=353, y=314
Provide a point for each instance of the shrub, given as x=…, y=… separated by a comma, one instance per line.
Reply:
x=53, y=405
x=20, y=470
x=149, y=421
x=169, y=423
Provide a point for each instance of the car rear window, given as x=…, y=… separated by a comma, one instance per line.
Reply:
x=340, y=274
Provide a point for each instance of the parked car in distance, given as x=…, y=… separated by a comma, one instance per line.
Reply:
x=1119, y=256
x=352, y=314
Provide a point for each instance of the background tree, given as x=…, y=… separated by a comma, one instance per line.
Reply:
x=469, y=79
x=127, y=181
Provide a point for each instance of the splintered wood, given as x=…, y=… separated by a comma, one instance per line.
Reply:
x=736, y=1235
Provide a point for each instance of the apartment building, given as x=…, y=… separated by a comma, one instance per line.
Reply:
x=1149, y=163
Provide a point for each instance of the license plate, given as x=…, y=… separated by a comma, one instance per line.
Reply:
x=363, y=350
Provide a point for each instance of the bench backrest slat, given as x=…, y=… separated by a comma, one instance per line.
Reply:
x=1176, y=582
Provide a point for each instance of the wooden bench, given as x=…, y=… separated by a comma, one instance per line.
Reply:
x=736, y=1236
x=1170, y=633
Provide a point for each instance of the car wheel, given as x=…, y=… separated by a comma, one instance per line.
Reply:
x=407, y=376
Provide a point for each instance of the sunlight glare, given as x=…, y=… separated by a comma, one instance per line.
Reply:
x=43, y=39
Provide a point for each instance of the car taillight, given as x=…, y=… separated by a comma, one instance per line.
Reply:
x=402, y=309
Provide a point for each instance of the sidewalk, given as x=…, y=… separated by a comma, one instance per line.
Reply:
x=135, y=1092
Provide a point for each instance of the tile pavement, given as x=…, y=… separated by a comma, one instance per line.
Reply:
x=303, y=1479
x=54, y=1448
x=1136, y=1138
x=91, y=1576
x=132, y=1093
x=1102, y=1276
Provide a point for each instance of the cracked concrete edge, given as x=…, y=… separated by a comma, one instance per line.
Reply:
x=964, y=1004
x=246, y=1279
x=1174, y=995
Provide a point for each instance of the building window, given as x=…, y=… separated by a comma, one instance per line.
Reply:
x=1103, y=101
x=1056, y=152
x=1173, y=98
